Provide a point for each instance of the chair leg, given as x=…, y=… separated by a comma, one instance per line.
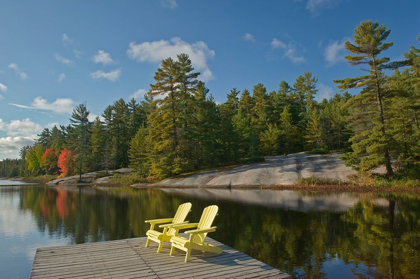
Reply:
x=147, y=242
x=187, y=256
x=172, y=250
x=160, y=247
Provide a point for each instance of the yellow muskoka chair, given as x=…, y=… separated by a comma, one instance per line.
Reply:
x=197, y=236
x=167, y=233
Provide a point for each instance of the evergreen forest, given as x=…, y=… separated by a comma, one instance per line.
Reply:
x=179, y=128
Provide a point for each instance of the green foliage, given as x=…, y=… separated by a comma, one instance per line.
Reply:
x=270, y=140
x=81, y=133
x=34, y=159
x=138, y=152
x=127, y=179
x=97, y=143
x=371, y=143
x=179, y=128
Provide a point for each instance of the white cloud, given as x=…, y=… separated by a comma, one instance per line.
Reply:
x=111, y=76
x=67, y=42
x=3, y=87
x=63, y=60
x=334, y=51
x=206, y=75
x=24, y=127
x=248, y=37
x=275, y=43
x=65, y=38
x=15, y=143
x=156, y=51
x=103, y=57
x=15, y=67
x=77, y=53
x=138, y=94
x=290, y=50
x=61, y=77
x=23, y=75
x=59, y=106
x=172, y=4
x=92, y=117
x=64, y=105
x=52, y=124
x=315, y=6
x=20, y=106
x=324, y=92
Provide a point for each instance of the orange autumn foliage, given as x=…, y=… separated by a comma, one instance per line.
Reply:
x=66, y=162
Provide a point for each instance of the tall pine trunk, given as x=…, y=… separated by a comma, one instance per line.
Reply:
x=388, y=165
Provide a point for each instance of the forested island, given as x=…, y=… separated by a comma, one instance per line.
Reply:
x=178, y=128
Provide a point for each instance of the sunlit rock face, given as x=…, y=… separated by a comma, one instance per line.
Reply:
x=277, y=170
x=291, y=200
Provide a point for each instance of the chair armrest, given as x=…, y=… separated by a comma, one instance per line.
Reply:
x=212, y=229
x=159, y=221
x=184, y=226
x=170, y=225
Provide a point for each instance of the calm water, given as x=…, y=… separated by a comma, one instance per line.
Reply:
x=306, y=235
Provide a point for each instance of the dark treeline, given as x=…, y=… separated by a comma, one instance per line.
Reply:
x=179, y=128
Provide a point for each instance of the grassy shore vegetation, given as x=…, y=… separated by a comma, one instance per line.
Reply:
x=40, y=178
x=128, y=179
x=179, y=128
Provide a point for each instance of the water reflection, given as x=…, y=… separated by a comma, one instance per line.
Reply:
x=312, y=236
x=286, y=199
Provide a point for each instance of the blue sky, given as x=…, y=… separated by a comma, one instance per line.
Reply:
x=55, y=55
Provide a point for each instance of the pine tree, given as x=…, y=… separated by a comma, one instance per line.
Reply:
x=120, y=130
x=242, y=123
x=187, y=87
x=403, y=105
x=279, y=100
x=370, y=131
x=314, y=131
x=79, y=120
x=270, y=140
x=337, y=114
x=45, y=137
x=187, y=90
x=288, y=132
x=58, y=138
x=246, y=104
x=175, y=85
x=228, y=138
x=138, y=152
x=135, y=117
x=97, y=143
x=205, y=129
x=260, y=109
x=306, y=89
x=232, y=102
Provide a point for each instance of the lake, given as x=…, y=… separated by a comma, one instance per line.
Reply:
x=306, y=235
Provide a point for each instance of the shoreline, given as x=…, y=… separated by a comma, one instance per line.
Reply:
x=327, y=188
x=316, y=188
x=298, y=172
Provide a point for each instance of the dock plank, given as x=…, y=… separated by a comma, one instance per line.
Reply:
x=128, y=258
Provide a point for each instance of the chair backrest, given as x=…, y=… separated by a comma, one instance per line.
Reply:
x=180, y=215
x=206, y=220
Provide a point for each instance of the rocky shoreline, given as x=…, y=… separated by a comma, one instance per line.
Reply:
x=97, y=177
x=275, y=173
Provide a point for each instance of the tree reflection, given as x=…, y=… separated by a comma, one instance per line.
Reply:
x=383, y=238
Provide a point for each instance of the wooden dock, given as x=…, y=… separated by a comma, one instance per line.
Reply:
x=129, y=258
